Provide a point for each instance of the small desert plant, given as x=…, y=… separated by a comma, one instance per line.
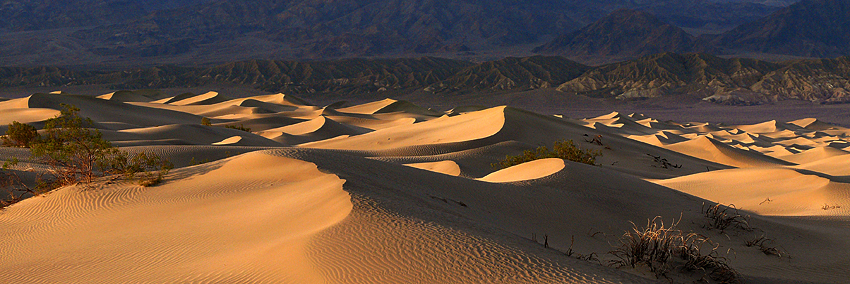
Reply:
x=663, y=248
x=585, y=257
x=663, y=163
x=240, y=127
x=566, y=150
x=143, y=163
x=75, y=153
x=651, y=245
x=828, y=207
x=11, y=182
x=195, y=162
x=596, y=140
x=71, y=150
x=19, y=135
x=764, y=246
x=723, y=217
x=205, y=121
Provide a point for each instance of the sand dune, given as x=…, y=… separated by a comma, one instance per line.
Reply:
x=790, y=192
x=320, y=128
x=132, y=95
x=526, y=171
x=812, y=124
x=212, y=238
x=25, y=115
x=470, y=126
x=813, y=155
x=444, y=167
x=207, y=98
x=190, y=134
x=262, y=122
x=623, y=125
x=712, y=150
x=390, y=192
x=109, y=111
x=388, y=106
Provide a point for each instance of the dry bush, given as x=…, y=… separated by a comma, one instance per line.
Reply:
x=663, y=163
x=75, y=153
x=19, y=135
x=10, y=181
x=205, y=121
x=723, y=217
x=149, y=166
x=240, y=127
x=764, y=246
x=664, y=248
x=72, y=151
x=566, y=150
x=829, y=207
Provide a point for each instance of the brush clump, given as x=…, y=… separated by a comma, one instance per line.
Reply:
x=723, y=217
x=562, y=149
x=665, y=248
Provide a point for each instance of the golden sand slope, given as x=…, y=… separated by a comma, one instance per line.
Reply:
x=220, y=222
x=389, y=192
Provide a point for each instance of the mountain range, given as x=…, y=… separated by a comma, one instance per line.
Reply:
x=712, y=78
x=622, y=34
x=122, y=33
x=813, y=28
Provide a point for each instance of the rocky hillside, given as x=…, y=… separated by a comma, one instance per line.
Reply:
x=343, y=28
x=814, y=28
x=718, y=79
x=622, y=34
x=343, y=76
x=512, y=73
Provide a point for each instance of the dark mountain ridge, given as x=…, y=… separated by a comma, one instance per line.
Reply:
x=814, y=28
x=622, y=34
x=725, y=80
x=124, y=33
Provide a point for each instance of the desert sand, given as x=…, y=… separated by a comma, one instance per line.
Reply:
x=390, y=192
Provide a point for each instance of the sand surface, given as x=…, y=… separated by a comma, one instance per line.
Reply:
x=390, y=192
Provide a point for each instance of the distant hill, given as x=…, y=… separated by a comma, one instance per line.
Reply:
x=21, y=15
x=622, y=34
x=513, y=73
x=814, y=28
x=732, y=81
x=348, y=76
x=697, y=75
x=667, y=74
x=342, y=28
x=710, y=16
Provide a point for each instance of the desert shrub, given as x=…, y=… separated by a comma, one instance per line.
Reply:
x=19, y=135
x=151, y=167
x=566, y=150
x=71, y=150
x=10, y=181
x=75, y=153
x=240, y=127
x=764, y=245
x=205, y=121
x=664, y=248
x=723, y=217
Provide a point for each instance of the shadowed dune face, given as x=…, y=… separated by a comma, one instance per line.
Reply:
x=274, y=190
